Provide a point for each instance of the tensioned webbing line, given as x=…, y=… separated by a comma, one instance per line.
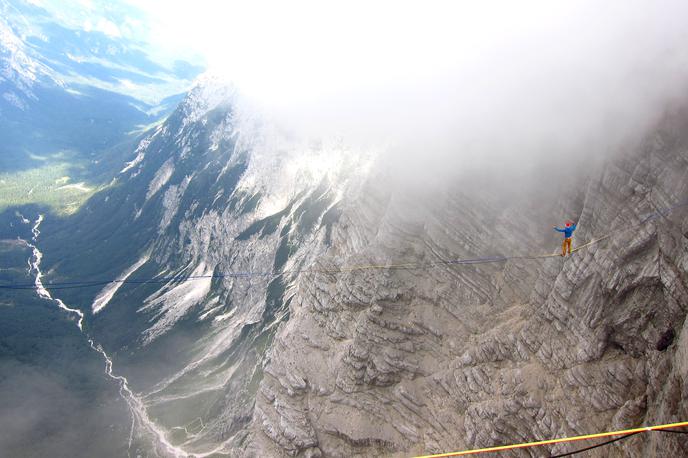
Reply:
x=343, y=269
x=623, y=433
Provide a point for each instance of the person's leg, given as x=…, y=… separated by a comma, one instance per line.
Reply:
x=563, y=248
x=568, y=245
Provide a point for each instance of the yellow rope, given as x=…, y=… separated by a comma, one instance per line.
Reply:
x=592, y=242
x=500, y=448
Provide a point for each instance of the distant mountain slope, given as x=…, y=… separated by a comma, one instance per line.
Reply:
x=75, y=91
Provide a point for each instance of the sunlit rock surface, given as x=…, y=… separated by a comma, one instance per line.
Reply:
x=297, y=360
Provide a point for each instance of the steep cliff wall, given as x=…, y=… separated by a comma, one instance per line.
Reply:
x=402, y=361
x=245, y=338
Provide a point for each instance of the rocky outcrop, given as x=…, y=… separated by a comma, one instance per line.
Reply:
x=288, y=351
x=387, y=362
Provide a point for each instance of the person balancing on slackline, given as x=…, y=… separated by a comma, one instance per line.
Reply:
x=569, y=227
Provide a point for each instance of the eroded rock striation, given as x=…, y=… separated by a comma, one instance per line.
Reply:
x=392, y=362
x=280, y=346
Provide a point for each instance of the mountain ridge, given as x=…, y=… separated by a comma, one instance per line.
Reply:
x=415, y=361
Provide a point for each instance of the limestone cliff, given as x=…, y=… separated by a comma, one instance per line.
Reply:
x=395, y=362
x=244, y=333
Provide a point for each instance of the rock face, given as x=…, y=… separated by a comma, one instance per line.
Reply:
x=403, y=361
x=201, y=196
x=316, y=358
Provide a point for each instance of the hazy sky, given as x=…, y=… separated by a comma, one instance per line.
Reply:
x=485, y=78
x=448, y=82
x=448, y=71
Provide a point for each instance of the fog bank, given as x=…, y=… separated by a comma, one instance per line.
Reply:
x=448, y=88
x=445, y=88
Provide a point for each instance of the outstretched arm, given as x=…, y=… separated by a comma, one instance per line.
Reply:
x=558, y=230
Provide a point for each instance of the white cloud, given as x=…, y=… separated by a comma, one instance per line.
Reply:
x=489, y=78
x=307, y=52
x=109, y=28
